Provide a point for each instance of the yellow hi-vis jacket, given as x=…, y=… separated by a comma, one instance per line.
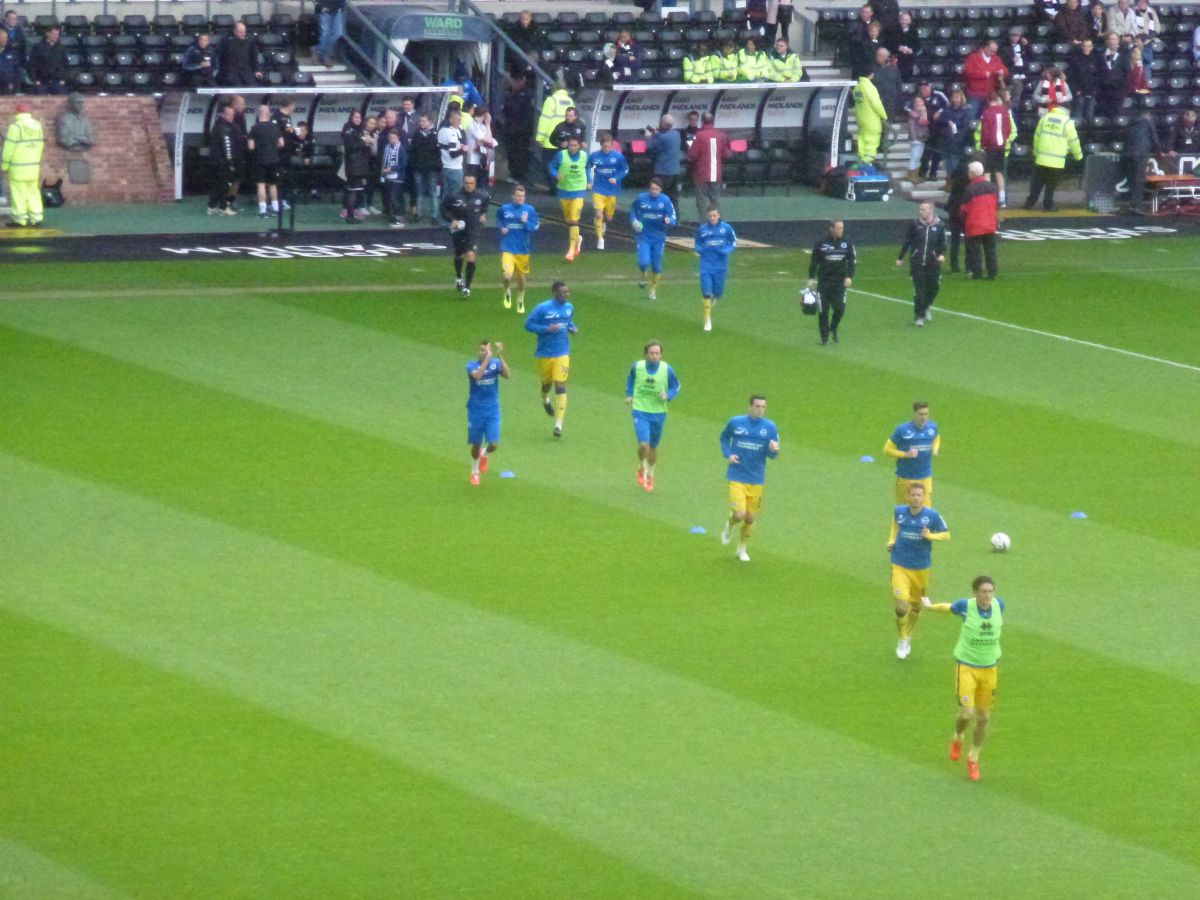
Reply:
x=785, y=68
x=726, y=68
x=554, y=110
x=868, y=107
x=696, y=70
x=753, y=66
x=23, y=145
x=1055, y=136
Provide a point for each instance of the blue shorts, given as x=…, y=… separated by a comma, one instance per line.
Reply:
x=483, y=426
x=650, y=253
x=712, y=284
x=648, y=427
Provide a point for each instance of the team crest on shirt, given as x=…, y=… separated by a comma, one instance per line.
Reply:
x=762, y=432
x=924, y=520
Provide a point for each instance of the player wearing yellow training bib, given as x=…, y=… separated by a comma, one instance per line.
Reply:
x=569, y=169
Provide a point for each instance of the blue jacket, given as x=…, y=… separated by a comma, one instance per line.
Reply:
x=470, y=92
x=11, y=72
x=667, y=149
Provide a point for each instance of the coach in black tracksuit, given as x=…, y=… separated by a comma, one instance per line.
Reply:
x=831, y=271
x=925, y=239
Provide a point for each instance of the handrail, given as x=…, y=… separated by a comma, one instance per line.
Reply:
x=421, y=77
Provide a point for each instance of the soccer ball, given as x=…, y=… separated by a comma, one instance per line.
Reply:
x=1000, y=542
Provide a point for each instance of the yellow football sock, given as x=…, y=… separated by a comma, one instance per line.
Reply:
x=708, y=305
x=902, y=625
x=655, y=277
x=747, y=531
x=574, y=235
x=560, y=404
x=600, y=229
x=914, y=613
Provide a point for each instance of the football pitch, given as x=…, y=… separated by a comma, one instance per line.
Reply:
x=259, y=637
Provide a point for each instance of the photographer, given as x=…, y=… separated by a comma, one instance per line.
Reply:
x=665, y=147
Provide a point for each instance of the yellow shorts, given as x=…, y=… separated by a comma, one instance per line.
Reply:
x=902, y=489
x=976, y=688
x=554, y=368
x=606, y=206
x=514, y=262
x=745, y=498
x=910, y=584
x=572, y=208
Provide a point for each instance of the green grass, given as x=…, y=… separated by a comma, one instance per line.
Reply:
x=259, y=638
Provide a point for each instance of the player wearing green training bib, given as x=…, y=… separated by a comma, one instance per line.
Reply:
x=978, y=654
x=651, y=385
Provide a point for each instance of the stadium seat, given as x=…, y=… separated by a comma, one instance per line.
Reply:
x=123, y=42
x=623, y=19
x=589, y=38
x=568, y=20
x=153, y=42
x=83, y=80
x=180, y=42
x=142, y=81
x=76, y=26
x=283, y=25
x=275, y=78
x=543, y=19
x=194, y=24
x=105, y=24
x=153, y=60
x=255, y=24
x=96, y=59
x=124, y=60
x=644, y=75
x=302, y=79
x=596, y=20
x=643, y=38
x=113, y=81
x=135, y=25
x=671, y=74
x=222, y=24
x=42, y=24
x=282, y=58
x=168, y=80
x=166, y=25
x=706, y=17
x=559, y=38
x=75, y=60
x=969, y=33
x=651, y=55
x=70, y=41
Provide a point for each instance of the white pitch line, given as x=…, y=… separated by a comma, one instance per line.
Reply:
x=1050, y=334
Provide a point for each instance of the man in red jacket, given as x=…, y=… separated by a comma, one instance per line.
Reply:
x=981, y=221
x=707, y=155
x=983, y=73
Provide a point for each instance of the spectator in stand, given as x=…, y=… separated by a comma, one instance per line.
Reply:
x=16, y=36
x=983, y=73
x=481, y=145
x=612, y=74
x=726, y=69
x=858, y=28
x=527, y=36
x=570, y=127
x=1051, y=91
x=48, y=64
x=12, y=73
x=1017, y=55
x=1098, y=21
x=199, y=63
x=451, y=141
x=1113, y=77
x=905, y=45
x=954, y=130
x=1137, y=73
x=1146, y=29
x=889, y=84
x=1141, y=143
x=1083, y=75
x=424, y=163
x=1050, y=8
x=1054, y=139
x=628, y=55
x=356, y=161
x=304, y=151
x=1196, y=47
x=462, y=80
x=1185, y=136
x=237, y=59
x=753, y=64
x=756, y=16
x=785, y=65
x=862, y=57
x=981, y=221
x=1122, y=22
x=779, y=19
x=994, y=137
x=886, y=12
x=695, y=65
x=226, y=152
x=665, y=147
x=935, y=104
x=516, y=129
x=918, y=135
x=1072, y=23
x=707, y=155
x=392, y=169
x=331, y=19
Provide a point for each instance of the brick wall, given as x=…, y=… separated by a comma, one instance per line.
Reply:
x=130, y=163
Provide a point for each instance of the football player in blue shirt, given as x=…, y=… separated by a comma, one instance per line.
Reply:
x=483, y=404
x=914, y=445
x=914, y=529
x=747, y=443
x=715, y=241
x=651, y=215
x=517, y=222
x=608, y=169
x=554, y=322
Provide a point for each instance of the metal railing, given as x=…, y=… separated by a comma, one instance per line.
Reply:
x=385, y=46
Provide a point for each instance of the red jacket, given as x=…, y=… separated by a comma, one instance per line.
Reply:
x=981, y=75
x=981, y=208
x=708, y=153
